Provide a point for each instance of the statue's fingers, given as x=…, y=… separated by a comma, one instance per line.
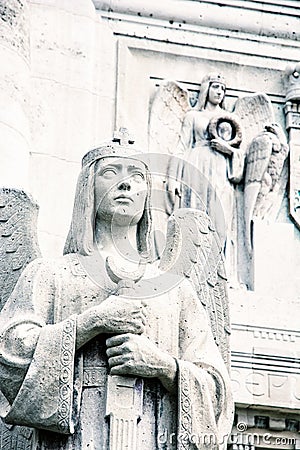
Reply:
x=114, y=351
x=117, y=340
x=117, y=360
x=119, y=370
x=127, y=368
x=138, y=320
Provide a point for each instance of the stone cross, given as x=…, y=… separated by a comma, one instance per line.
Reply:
x=123, y=137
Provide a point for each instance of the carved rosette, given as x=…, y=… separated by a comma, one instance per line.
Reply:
x=292, y=115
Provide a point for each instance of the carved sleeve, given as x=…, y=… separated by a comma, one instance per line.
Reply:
x=37, y=356
x=236, y=166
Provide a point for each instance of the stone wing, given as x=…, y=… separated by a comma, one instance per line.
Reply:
x=18, y=238
x=170, y=104
x=257, y=162
x=254, y=112
x=193, y=251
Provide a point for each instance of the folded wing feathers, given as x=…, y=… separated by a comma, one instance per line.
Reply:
x=18, y=238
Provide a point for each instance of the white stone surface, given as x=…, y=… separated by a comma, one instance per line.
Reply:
x=53, y=180
x=14, y=96
x=276, y=250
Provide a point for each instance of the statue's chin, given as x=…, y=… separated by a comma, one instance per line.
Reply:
x=123, y=217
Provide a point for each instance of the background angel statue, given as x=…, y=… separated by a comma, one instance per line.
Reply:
x=101, y=348
x=208, y=141
x=208, y=149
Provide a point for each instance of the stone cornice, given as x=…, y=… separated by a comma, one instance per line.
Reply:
x=267, y=18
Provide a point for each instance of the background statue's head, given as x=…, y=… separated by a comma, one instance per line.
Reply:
x=206, y=83
x=87, y=205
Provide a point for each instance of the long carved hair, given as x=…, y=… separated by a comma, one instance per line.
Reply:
x=81, y=236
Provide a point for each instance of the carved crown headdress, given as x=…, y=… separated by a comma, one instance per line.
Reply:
x=120, y=146
x=215, y=78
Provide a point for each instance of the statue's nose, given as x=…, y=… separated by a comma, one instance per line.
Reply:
x=124, y=186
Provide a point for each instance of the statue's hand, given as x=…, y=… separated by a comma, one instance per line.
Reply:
x=115, y=315
x=135, y=355
x=221, y=146
x=120, y=315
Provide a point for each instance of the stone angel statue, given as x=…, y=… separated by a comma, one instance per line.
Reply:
x=212, y=144
x=104, y=348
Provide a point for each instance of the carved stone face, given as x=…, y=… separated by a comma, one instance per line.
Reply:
x=120, y=190
x=225, y=131
x=216, y=93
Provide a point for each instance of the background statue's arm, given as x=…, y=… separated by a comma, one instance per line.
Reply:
x=236, y=159
x=222, y=147
x=186, y=134
x=236, y=165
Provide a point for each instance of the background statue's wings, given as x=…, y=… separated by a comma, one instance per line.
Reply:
x=18, y=238
x=169, y=107
x=258, y=157
x=170, y=104
x=193, y=251
x=254, y=112
x=18, y=247
x=265, y=162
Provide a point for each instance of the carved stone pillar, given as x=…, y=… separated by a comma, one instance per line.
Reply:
x=14, y=93
x=292, y=115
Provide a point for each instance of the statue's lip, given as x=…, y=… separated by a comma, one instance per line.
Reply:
x=123, y=197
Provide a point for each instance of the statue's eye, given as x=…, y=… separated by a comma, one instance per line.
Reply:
x=138, y=176
x=108, y=172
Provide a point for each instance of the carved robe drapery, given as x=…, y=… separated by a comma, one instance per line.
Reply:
x=60, y=391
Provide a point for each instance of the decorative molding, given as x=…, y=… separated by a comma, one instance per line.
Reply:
x=261, y=360
x=264, y=19
x=275, y=334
